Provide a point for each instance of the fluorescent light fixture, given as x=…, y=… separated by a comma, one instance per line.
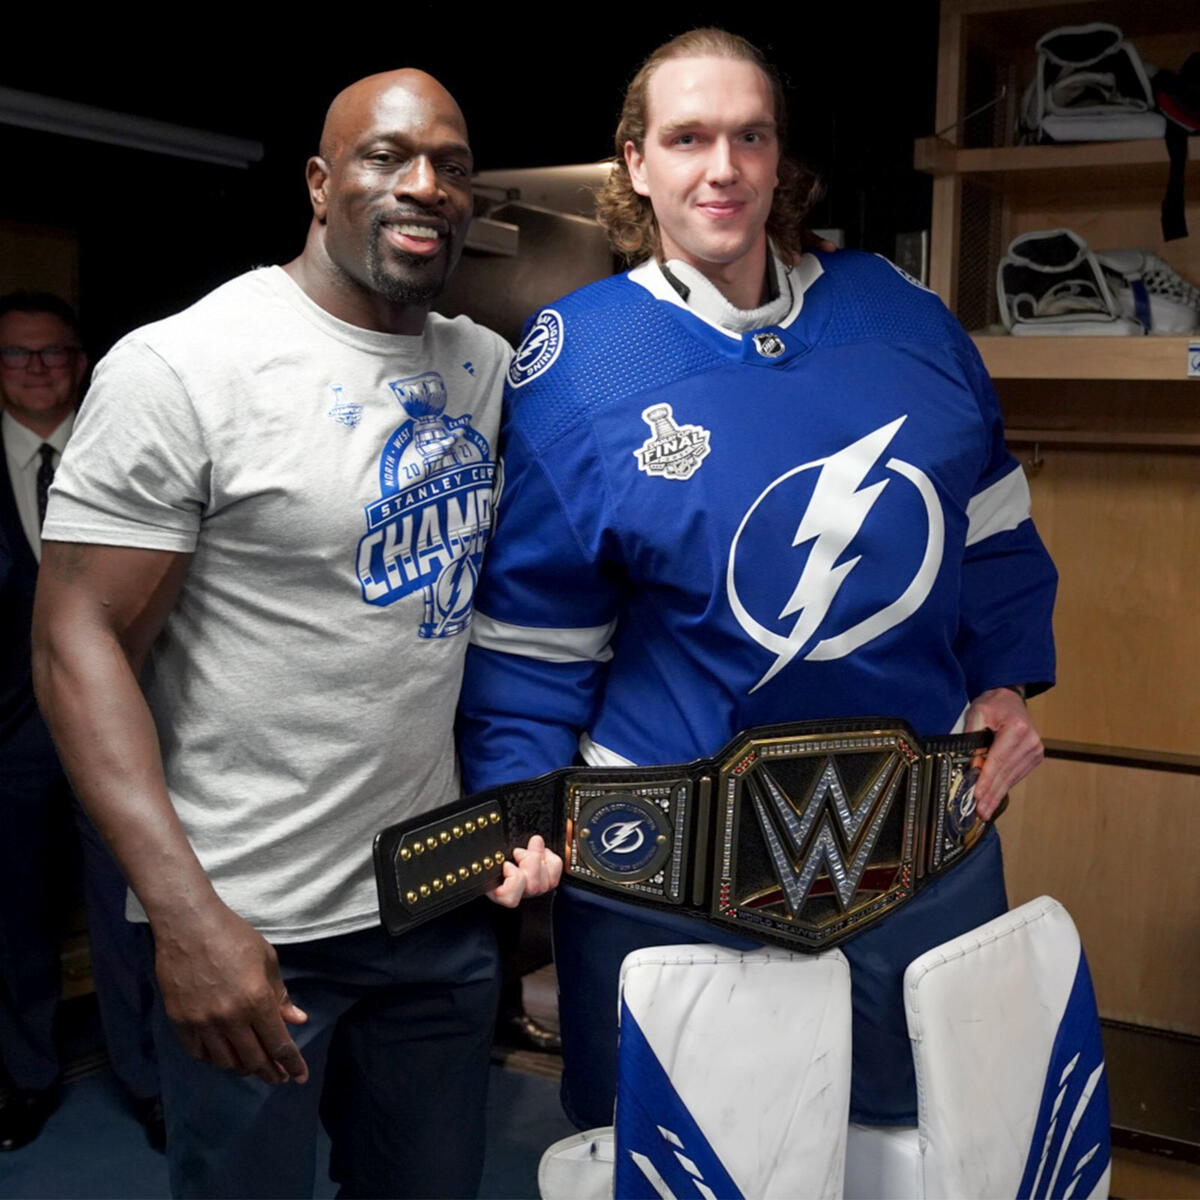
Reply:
x=28, y=110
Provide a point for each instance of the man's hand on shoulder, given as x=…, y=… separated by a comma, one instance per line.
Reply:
x=1016, y=749
x=532, y=870
x=811, y=240
x=223, y=993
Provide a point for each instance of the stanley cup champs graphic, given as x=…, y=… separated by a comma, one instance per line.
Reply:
x=428, y=529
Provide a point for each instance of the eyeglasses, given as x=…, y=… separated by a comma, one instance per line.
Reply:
x=17, y=358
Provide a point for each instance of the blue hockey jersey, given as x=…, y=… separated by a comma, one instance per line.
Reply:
x=701, y=531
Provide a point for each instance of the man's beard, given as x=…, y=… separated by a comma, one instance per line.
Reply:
x=422, y=287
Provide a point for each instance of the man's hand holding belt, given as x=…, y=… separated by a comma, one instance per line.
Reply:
x=532, y=870
x=1016, y=747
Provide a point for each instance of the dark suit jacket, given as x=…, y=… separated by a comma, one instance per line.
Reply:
x=21, y=730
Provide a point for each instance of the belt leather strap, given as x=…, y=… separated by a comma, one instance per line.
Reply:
x=801, y=834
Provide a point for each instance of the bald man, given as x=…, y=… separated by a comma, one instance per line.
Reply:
x=260, y=557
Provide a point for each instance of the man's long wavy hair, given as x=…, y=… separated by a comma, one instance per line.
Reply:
x=628, y=218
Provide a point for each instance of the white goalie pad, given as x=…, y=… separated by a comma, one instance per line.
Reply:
x=579, y=1167
x=733, y=1080
x=1012, y=1094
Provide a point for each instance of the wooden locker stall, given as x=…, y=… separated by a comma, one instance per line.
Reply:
x=1109, y=431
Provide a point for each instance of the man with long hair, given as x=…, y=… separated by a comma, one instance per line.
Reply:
x=748, y=485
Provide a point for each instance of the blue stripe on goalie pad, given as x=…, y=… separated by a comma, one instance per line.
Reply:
x=1070, y=1147
x=657, y=1138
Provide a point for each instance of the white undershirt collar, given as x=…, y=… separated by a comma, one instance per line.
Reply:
x=705, y=300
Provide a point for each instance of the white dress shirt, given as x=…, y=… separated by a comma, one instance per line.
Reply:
x=22, y=449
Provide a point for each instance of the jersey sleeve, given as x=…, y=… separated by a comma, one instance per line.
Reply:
x=1008, y=579
x=136, y=471
x=544, y=616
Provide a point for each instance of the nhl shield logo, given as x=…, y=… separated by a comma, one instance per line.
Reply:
x=769, y=345
x=672, y=451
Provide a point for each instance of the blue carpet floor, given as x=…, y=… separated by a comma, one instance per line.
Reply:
x=93, y=1146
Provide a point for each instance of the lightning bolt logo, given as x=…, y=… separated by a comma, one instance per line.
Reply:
x=539, y=350
x=533, y=345
x=836, y=512
x=620, y=838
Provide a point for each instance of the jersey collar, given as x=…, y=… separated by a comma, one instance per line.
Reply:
x=682, y=285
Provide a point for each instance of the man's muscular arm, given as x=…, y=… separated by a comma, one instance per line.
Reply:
x=1015, y=751
x=98, y=611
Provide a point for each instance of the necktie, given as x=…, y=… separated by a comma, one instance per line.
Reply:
x=45, y=477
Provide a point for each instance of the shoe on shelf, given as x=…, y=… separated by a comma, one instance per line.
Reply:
x=523, y=1032
x=150, y=1114
x=22, y=1115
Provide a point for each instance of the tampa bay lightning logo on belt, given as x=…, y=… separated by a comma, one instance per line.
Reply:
x=960, y=803
x=428, y=529
x=671, y=451
x=623, y=837
x=831, y=509
x=539, y=349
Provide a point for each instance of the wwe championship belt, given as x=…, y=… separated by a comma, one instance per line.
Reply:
x=800, y=834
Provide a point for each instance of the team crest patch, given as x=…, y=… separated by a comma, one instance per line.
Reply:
x=537, y=353
x=427, y=531
x=769, y=345
x=671, y=451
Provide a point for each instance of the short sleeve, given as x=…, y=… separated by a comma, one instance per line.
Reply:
x=136, y=471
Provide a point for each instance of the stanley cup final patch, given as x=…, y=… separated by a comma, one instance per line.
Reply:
x=671, y=451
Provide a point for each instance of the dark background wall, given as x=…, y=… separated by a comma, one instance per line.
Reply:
x=156, y=232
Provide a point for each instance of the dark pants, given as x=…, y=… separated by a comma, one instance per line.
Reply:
x=39, y=869
x=36, y=861
x=397, y=1043
x=593, y=934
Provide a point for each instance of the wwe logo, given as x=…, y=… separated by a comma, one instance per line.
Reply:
x=816, y=834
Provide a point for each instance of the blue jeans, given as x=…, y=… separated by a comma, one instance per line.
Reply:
x=397, y=1043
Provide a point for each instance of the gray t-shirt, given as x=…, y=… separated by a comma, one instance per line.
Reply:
x=334, y=488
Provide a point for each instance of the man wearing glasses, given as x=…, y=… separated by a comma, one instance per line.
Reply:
x=42, y=371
